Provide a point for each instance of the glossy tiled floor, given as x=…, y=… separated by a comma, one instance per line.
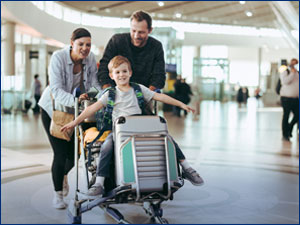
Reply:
x=251, y=175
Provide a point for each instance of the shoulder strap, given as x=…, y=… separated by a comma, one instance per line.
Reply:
x=139, y=95
x=103, y=118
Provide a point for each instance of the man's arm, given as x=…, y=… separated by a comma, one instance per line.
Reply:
x=158, y=77
x=172, y=101
x=109, y=53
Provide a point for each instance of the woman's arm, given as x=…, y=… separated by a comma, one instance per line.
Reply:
x=172, y=101
x=287, y=77
x=93, y=73
x=57, y=82
x=89, y=111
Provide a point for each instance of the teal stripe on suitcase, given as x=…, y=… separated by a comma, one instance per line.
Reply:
x=172, y=161
x=128, y=166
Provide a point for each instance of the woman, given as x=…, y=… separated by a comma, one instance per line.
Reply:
x=71, y=69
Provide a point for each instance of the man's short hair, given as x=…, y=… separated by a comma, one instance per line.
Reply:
x=117, y=61
x=140, y=16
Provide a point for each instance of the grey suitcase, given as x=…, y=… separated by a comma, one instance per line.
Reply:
x=145, y=154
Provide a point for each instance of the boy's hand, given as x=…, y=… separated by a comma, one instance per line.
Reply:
x=187, y=108
x=68, y=126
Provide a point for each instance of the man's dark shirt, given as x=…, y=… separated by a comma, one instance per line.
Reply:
x=147, y=63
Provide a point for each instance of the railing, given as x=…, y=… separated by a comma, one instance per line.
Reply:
x=12, y=101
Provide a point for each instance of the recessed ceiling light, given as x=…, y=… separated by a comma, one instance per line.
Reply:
x=160, y=15
x=249, y=14
x=161, y=4
x=126, y=12
x=178, y=15
x=93, y=8
x=242, y=2
x=107, y=10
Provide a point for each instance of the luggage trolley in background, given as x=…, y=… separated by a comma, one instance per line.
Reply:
x=146, y=170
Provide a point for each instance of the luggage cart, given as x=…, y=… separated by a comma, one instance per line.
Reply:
x=146, y=170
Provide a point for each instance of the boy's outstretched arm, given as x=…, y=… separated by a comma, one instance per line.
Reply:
x=89, y=111
x=172, y=101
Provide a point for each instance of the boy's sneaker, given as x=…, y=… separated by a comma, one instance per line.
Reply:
x=58, y=201
x=192, y=175
x=65, y=186
x=96, y=190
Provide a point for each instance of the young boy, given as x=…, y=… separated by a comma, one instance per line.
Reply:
x=126, y=104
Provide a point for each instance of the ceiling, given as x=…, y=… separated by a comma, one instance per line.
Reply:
x=214, y=12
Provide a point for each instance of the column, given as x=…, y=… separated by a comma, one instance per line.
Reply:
x=259, y=65
x=8, y=48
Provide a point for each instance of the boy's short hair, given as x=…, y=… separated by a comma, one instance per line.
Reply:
x=117, y=61
x=141, y=15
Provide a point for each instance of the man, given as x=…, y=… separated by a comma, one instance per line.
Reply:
x=289, y=96
x=145, y=54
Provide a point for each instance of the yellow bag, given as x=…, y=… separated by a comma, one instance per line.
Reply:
x=91, y=133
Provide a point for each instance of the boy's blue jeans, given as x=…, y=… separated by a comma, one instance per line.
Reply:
x=106, y=154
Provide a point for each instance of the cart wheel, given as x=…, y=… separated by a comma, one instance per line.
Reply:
x=74, y=219
x=159, y=220
x=164, y=221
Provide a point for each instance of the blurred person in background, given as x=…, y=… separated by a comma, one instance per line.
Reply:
x=36, y=89
x=182, y=93
x=242, y=96
x=289, y=97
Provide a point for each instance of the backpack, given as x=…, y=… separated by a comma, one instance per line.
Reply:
x=104, y=116
x=278, y=85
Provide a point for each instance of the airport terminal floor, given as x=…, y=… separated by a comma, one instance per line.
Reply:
x=251, y=175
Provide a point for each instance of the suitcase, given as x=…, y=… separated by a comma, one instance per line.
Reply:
x=144, y=153
x=27, y=105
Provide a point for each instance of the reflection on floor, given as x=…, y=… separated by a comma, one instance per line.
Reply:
x=251, y=175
